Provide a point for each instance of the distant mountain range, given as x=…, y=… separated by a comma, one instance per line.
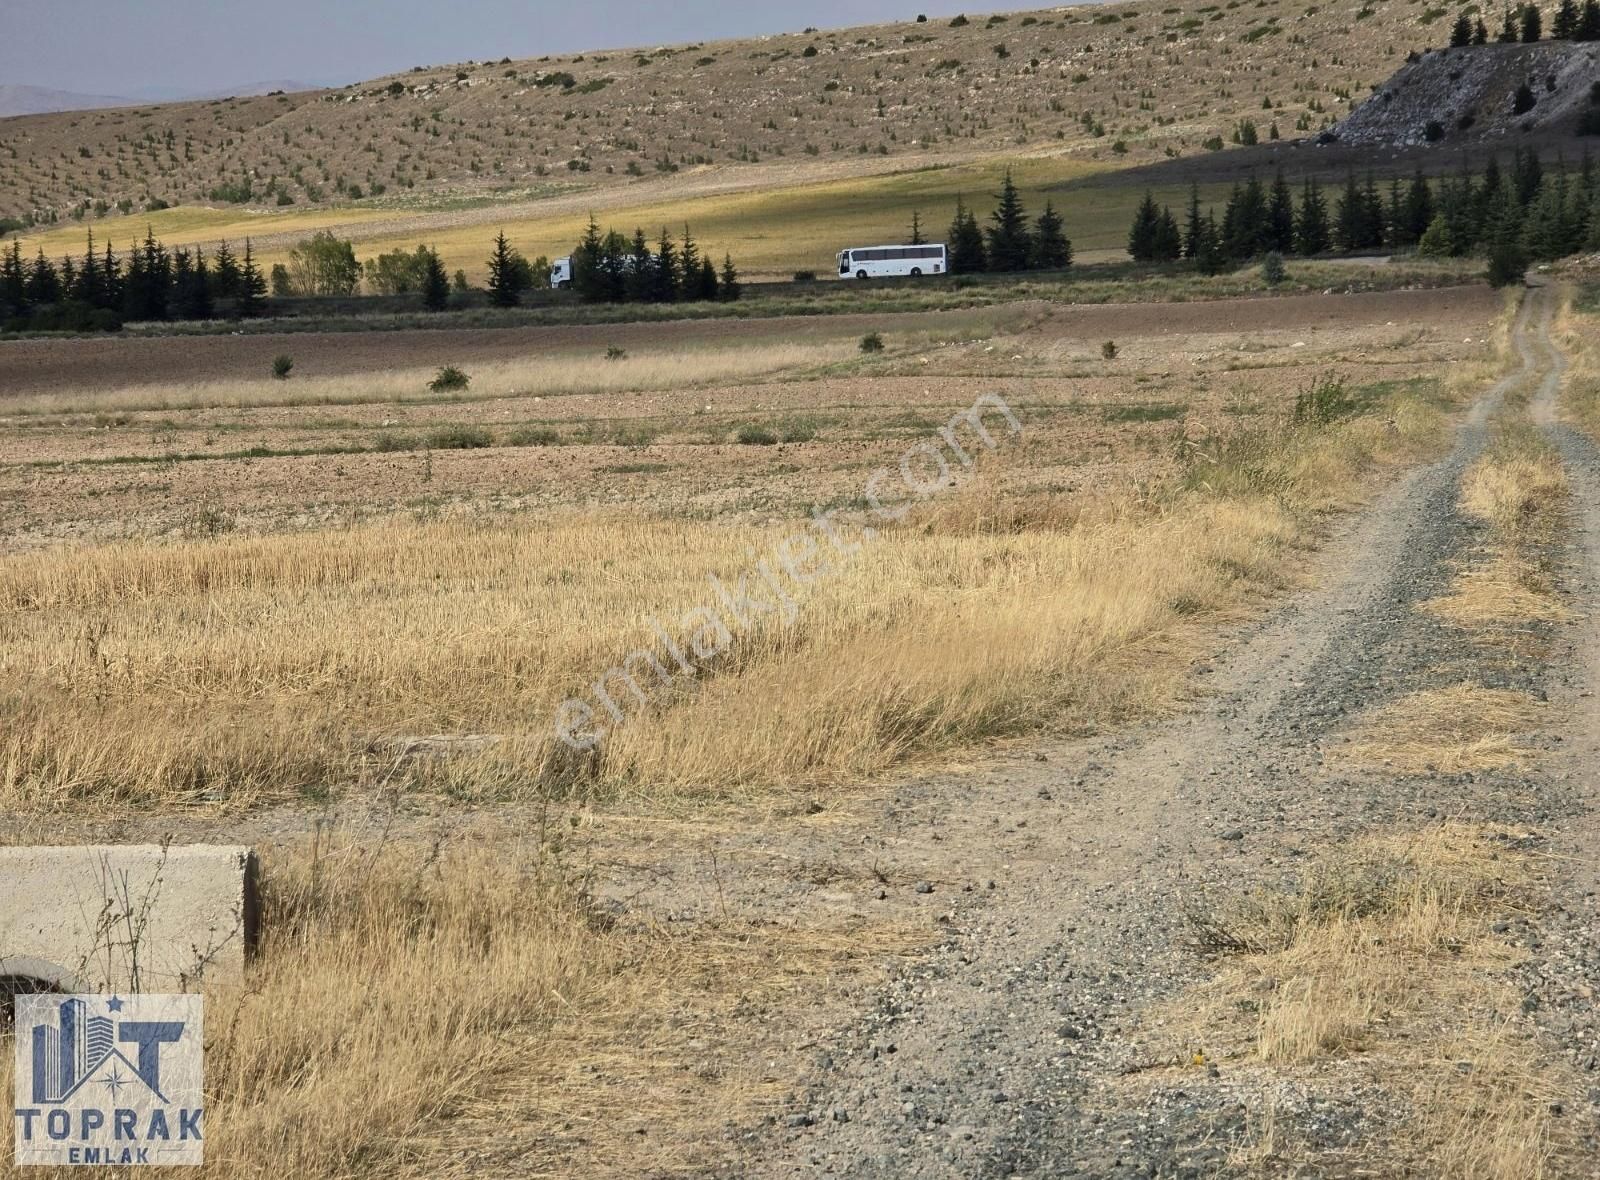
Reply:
x=41, y=100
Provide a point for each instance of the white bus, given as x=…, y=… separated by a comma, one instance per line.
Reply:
x=561, y=273
x=871, y=262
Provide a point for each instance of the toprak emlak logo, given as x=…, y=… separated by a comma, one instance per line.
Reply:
x=109, y=1079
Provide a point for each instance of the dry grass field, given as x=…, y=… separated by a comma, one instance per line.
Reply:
x=334, y=617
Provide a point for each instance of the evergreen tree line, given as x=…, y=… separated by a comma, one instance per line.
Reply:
x=1008, y=242
x=610, y=267
x=1525, y=23
x=102, y=291
x=1525, y=208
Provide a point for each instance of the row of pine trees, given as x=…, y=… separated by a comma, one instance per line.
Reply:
x=1525, y=23
x=610, y=267
x=101, y=291
x=1008, y=242
x=1547, y=213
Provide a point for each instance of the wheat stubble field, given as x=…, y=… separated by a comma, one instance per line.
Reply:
x=331, y=616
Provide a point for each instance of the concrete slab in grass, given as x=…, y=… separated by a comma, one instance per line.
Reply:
x=137, y=917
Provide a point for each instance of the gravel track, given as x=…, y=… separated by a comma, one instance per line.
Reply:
x=1000, y=1057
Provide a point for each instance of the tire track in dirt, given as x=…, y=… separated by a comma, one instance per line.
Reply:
x=1000, y=1057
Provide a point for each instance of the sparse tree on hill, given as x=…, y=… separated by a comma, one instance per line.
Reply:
x=641, y=278
x=1589, y=22
x=1508, y=28
x=44, y=282
x=1532, y=24
x=1480, y=32
x=1461, y=32
x=1565, y=25
x=1210, y=258
x=688, y=266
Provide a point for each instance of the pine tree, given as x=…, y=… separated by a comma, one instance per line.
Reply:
x=435, y=283
x=1210, y=257
x=1142, y=235
x=1461, y=32
x=87, y=287
x=1589, y=22
x=707, y=287
x=612, y=273
x=916, y=229
x=729, y=289
x=641, y=280
x=966, y=251
x=44, y=283
x=1480, y=32
x=149, y=281
x=1169, y=239
x=1532, y=24
x=1194, y=226
x=666, y=270
x=1009, y=245
x=1565, y=25
x=252, y=299
x=1280, y=216
x=689, y=266
x=111, y=278
x=1311, y=230
x=225, y=273
x=1051, y=249
x=13, y=284
x=586, y=280
x=503, y=280
x=1508, y=30
x=1244, y=221
x=1419, y=208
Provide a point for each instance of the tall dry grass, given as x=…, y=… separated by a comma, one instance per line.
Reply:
x=541, y=376
x=237, y=667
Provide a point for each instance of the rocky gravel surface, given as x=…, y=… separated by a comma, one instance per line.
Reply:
x=1001, y=1056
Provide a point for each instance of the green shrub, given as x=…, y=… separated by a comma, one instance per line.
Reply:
x=872, y=342
x=613, y=353
x=388, y=442
x=1109, y=350
x=1323, y=401
x=449, y=378
x=756, y=436
x=805, y=276
x=534, y=436
x=281, y=365
x=1272, y=269
x=459, y=438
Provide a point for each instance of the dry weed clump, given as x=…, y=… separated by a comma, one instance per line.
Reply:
x=1451, y=730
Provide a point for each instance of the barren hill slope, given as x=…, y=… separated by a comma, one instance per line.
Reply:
x=1135, y=81
x=1469, y=95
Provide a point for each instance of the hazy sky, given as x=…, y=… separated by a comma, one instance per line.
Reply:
x=150, y=47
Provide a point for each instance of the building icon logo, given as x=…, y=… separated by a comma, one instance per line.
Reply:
x=109, y=1079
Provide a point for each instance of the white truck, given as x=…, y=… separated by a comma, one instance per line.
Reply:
x=561, y=273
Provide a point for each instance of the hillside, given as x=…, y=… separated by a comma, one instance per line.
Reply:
x=1117, y=83
x=38, y=100
x=1451, y=96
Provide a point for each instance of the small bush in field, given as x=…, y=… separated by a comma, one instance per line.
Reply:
x=756, y=436
x=872, y=342
x=1109, y=350
x=459, y=438
x=449, y=378
x=281, y=365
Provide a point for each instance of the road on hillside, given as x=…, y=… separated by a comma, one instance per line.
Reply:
x=1004, y=1055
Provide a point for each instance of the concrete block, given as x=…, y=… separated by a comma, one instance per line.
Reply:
x=137, y=917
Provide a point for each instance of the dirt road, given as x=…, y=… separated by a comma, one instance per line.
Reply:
x=1008, y=1054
